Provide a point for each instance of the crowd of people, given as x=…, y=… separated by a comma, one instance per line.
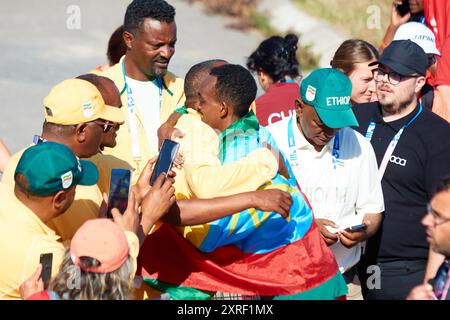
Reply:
x=332, y=186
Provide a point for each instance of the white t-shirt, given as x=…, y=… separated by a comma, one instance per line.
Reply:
x=147, y=100
x=343, y=192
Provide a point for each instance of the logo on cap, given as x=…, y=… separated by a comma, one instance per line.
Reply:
x=88, y=109
x=67, y=179
x=310, y=93
x=338, y=101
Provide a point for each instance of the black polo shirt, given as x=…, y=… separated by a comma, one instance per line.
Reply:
x=420, y=159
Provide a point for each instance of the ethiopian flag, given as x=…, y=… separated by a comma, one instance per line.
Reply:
x=249, y=253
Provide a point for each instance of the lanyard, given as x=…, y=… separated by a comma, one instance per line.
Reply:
x=135, y=147
x=392, y=144
x=286, y=81
x=293, y=159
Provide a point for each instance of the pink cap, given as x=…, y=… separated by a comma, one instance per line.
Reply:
x=103, y=240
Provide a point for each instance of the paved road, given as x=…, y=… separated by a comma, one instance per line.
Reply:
x=39, y=50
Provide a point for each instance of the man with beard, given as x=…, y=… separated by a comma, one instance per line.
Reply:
x=413, y=154
x=148, y=91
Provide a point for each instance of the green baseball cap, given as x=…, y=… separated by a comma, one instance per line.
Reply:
x=50, y=167
x=328, y=91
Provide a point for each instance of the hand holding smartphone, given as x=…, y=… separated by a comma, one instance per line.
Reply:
x=166, y=157
x=440, y=281
x=119, y=187
x=357, y=227
x=46, y=260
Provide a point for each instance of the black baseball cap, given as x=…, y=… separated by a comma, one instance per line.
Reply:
x=404, y=57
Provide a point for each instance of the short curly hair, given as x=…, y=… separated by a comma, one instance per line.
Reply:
x=236, y=86
x=138, y=10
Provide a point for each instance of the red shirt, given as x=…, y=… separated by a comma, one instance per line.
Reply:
x=277, y=103
x=443, y=65
x=437, y=18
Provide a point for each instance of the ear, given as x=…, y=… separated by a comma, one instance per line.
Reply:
x=60, y=201
x=80, y=132
x=128, y=39
x=298, y=108
x=420, y=82
x=224, y=110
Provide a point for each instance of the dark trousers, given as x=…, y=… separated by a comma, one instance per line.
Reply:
x=396, y=279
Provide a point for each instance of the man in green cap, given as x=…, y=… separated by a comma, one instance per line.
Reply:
x=46, y=177
x=335, y=167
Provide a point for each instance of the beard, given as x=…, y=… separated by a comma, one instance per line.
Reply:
x=395, y=108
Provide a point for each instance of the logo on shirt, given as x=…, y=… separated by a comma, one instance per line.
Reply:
x=310, y=93
x=397, y=160
x=88, y=109
x=67, y=179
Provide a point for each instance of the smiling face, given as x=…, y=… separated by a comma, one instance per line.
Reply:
x=111, y=96
x=363, y=83
x=152, y=47
x=209, y=105
x=415, y=6
x=312, y=127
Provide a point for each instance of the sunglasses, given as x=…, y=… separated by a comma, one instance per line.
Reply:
x=105, y=125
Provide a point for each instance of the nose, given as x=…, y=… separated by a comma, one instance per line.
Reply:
x=372, y=86
x=428, y=220
x=167, y=51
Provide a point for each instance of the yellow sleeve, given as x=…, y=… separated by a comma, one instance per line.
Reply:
x=206, y=176
x=10, y=168
x=133, y=242
x=247, y=174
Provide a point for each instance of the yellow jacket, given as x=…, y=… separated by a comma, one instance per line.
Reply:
x=172, y=98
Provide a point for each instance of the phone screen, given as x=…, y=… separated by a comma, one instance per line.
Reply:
x=46, y=259
x=119, y=187
x=165, y=160
x=442, y=276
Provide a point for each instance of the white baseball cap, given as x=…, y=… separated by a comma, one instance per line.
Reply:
x=420, y=34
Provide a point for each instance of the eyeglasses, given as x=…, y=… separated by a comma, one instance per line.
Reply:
x=393, y=77
x=106, y=125
x=438, y=219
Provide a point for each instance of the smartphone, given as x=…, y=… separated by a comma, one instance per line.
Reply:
x=357, y=227
x=119, y=187
x=46, y=259
x=440, y=280
x=167, y=154
x=403, y=8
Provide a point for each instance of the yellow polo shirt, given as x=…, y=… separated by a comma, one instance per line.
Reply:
x=203, y=175
x=172, y=98
x=23, y=237
x=85, y=206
